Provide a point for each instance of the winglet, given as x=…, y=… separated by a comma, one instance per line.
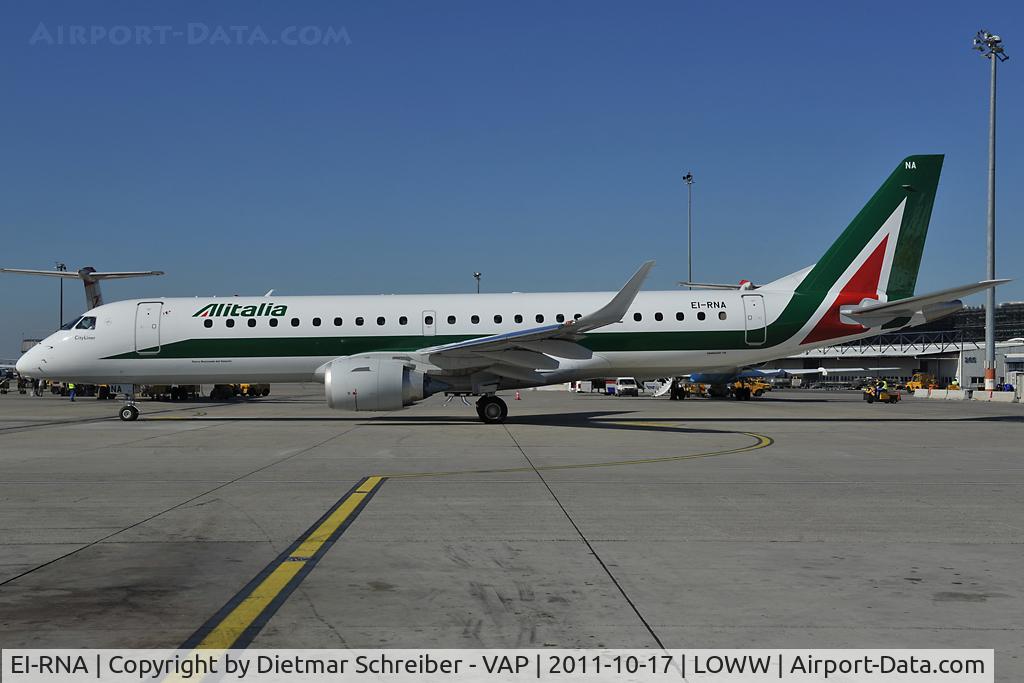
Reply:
x=615, y=310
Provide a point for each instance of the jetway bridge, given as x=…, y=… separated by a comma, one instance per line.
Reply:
x=900, y=344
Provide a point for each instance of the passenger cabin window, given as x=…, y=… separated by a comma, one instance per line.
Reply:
x=230, y=322
x=659, y=317
x=577, y=316
x=701, y=315
x=475, y=319
x=518, y=318
x=359, y=321
x=560, y=318
x=295, y=322
x=316, y=322
x=679, y=315
x=337, y=322
x=428, y=320
x=721, y=315
x=86, y=323
x=380, y=320
x=451, y=320
x=638, y=317
x=252, y=322
x=273, y=322
x=539, y=318
x=403, y=320
x=497, y=319
x=207, y=323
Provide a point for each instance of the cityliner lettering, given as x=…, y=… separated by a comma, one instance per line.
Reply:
x=225, y=310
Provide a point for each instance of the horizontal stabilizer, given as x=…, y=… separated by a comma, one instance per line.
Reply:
x=920, y=309
x=89, y=276
x=85, y=273
x=710, y=285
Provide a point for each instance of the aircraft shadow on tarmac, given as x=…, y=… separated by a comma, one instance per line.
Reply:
x=608, y=419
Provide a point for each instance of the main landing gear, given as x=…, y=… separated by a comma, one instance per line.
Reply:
x=491, y=409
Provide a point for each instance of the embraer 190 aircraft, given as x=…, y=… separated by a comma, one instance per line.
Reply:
x=385, y=352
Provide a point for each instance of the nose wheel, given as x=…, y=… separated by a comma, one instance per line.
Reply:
x=491, y=409
x=128, y=413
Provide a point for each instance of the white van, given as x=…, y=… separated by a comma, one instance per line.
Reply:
x=626, y=386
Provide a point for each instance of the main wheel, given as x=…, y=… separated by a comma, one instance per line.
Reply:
x=128, y=413
x=492, y=410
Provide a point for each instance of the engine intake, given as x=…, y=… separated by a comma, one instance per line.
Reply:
x=371, y=383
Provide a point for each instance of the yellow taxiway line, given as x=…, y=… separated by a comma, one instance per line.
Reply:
x=236, y=624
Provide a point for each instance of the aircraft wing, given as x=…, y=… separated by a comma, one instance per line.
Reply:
x=518, y=354
x=920, y=309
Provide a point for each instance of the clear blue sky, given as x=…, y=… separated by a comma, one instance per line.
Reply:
x=541, y=143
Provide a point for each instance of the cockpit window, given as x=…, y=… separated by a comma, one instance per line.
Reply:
x=86, y=323
x=70, y=324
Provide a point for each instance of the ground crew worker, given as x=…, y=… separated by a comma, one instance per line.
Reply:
x=71, y=390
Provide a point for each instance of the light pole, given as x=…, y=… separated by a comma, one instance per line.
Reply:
x=60, y=315
x=991, y=47
x=476, y=276
x=688, y=179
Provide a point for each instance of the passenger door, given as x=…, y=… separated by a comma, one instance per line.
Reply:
x=147, y=327
x=756, y=333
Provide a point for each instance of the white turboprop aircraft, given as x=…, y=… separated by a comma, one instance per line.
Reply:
x=386, y=352
x=89, y=276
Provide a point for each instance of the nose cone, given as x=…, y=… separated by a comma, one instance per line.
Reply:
x=28, y=364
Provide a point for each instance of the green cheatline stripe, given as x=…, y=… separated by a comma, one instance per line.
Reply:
x=264, y=347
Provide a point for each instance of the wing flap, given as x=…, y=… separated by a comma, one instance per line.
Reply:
x=520, y=358
x=559, y=348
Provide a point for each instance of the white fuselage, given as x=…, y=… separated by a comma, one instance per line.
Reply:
x=221, y=340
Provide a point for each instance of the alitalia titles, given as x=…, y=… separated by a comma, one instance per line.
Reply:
x=238, y=310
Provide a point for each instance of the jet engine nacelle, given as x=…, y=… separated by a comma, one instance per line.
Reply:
x=371, y=383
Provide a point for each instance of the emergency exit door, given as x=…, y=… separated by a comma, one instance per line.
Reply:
x=754, y=319
x=429, y=324
x=147, y=327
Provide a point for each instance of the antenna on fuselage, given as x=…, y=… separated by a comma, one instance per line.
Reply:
x=90, y=277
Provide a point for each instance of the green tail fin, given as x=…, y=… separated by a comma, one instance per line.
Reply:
x=914, y=182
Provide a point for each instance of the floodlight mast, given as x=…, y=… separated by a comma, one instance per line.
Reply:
x=688, y=179
x=991, y=47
